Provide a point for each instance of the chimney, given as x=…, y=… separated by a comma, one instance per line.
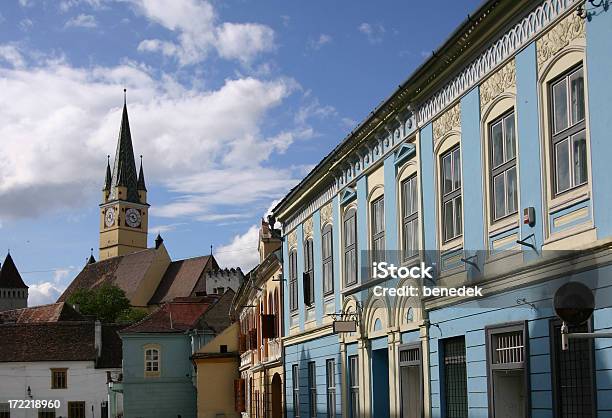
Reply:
x=98, y=338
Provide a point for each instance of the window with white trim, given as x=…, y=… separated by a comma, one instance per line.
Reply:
x=452, y=226
x=503, y=180
x=293, y=289
x=568, y=127
x=410, y=217
x=152, y=358
x=350, y=247
x=327, y=241
x=378, y=229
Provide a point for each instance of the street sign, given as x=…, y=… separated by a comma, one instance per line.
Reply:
x=345, y=326
x=574, y=303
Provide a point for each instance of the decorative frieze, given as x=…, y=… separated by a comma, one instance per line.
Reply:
x=451, y=119
x=292, y=239
x=561, y=35
x=307, y=227
x=502, y=80
x=326, y=214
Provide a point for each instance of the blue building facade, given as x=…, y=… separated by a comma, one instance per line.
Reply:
x=490, y=164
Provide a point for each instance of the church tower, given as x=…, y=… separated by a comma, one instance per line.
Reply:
x=124, y=207
x=13, y=291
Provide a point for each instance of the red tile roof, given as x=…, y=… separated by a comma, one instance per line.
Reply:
x=181, y=278
x=176, y=316
x=44, y=313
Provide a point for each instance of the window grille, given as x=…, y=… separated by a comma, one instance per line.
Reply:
x=573, y=376
x=509, y=348
x=455, y=378
x=410, y=356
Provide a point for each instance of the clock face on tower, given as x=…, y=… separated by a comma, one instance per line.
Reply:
x=132, y=217
x=109, y=217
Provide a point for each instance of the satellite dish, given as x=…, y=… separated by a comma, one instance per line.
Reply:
x=574, y=303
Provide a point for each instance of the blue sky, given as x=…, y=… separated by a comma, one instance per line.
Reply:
x=230, y=103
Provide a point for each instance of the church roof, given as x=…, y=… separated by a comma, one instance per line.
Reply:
x=126, y=271
x=181, y=278
x=124, y=168
x=54, y=312
x=9, y=275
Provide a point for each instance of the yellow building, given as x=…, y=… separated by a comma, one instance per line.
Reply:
x=258, y=305
x=218, y=386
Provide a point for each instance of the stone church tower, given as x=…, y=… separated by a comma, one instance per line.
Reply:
x=13, y=291
x=124, y=207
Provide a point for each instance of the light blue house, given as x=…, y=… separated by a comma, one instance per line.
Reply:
x=158, y=376
x=489, y=163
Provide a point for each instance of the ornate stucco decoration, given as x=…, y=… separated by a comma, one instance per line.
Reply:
x=560, y=36
x=308, y=227
x=449, y=120
x=502, y=80
x=326, y=214
x=292, y=239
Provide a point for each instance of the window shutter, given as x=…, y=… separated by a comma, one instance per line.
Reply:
x=242, y=343
x=253, y=339
x=268, y=328
x=239, y=389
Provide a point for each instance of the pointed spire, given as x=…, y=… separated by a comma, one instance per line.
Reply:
x=9, y=275
x=141, y=180
x=109, y=177
x=124, y=168
x=158, y=241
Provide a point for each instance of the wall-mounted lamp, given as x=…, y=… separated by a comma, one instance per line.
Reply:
x=29, y=392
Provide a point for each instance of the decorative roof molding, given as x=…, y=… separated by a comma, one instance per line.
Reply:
x=560, y=36
x=527, y=29
x=502, y=80
x=449, y=120
x=307, y=225
x=326, y=214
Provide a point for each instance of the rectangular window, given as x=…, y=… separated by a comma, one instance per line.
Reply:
x=503, y=166
x=151, y=360
x=350, y=247
x=76, y=409
x=330, y=379
x=354, y=387
x=44, y=413
x=573, y=376
x=410, y=217
x=378, y=229
x=5, y=411
x=569, y=152
x=411, y=382
x=295, y=377
x=455, y=378
x=308, y=272
x=312, y=388
x=451, y=195
x=508, y=387
x=293, y=289
x=59, y=378
x=328, y=264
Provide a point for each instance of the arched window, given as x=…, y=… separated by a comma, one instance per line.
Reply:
x=328, y=265
x=293, y=289
x=277, y=310
x=308, y=272
x=350, y=247
x=410, y=217
x=152, y=361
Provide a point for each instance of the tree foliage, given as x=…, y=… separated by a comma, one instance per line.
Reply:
x=107, y=303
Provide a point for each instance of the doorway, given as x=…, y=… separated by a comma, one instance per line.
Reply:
x=380, y=383
x=277, y=400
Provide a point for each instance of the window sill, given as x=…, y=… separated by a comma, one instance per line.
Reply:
x=503, y=225
x=569, y=198
x=452, y=245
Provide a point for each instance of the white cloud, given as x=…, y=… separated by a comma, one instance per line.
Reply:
x=318, y=43
x=374, y=32
x=204, y=146
x=82, y=21
x=161, y=229
x=26, y=24
x=198, y=31
x=44, y=293
x=11, y=54
x=241, y=252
